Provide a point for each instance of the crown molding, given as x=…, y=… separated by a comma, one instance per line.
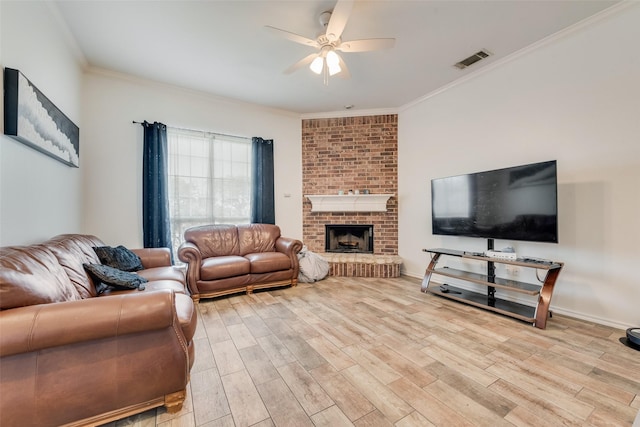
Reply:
x=565, y=32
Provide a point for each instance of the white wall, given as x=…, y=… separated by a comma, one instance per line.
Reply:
x=39, y=196
x=112, y=152
x=576, y=99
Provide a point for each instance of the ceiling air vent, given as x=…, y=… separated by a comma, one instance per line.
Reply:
x=472, y=59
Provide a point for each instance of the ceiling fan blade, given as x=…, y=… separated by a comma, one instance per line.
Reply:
x=344, y=72
x=366, y=45
x=304, y=61
x=339, y=18
x=292, y=36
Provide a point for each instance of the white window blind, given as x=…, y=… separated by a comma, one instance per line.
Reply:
x=209, y=180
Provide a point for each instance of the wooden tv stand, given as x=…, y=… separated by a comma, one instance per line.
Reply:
x=536, y=315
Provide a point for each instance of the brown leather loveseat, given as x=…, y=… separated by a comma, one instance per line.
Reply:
x=71, y=357
x=225, y=259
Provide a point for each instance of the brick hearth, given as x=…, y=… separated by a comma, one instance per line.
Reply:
x=363, y=265
x=352, y=153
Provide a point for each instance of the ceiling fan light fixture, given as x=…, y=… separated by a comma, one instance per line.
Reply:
x=333, y=63
x=317, y=65
x=334, y=69
x=332, y=59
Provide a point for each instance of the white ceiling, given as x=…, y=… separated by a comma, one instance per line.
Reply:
x=222, y=48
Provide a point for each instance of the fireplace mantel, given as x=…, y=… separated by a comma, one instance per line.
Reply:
x=348, y=202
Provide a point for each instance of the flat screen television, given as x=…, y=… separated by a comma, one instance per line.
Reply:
x=516, y=203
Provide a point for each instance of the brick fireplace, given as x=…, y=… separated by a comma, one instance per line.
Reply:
x=353, y=153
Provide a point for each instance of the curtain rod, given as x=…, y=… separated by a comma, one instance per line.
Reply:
x=203, y=131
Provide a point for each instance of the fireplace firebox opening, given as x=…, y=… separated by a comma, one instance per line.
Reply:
x=349, y=238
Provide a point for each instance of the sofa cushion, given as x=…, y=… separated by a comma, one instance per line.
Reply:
x=267, y=262
x=118, y=257
x=214, y=240
x=151, y=286
x=116, y=278
x=174, y=285
x=222, y=267
x=31, y=275
x=256, y=238
x=163, y=273
x=73, y=250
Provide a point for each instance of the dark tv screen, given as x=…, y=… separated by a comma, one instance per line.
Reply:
x=516, y=203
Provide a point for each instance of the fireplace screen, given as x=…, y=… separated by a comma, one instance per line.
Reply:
x=349, y=238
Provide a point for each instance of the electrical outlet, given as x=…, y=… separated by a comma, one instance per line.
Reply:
x=512, y=270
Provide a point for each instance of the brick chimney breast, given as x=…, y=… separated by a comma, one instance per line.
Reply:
x=351, y=153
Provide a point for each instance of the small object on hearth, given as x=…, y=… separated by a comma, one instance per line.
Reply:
x=351, y=192
x=357, y=191
x=365, y=191
x=340, y=192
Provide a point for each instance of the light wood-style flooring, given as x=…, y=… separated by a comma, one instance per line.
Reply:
x=378, y=352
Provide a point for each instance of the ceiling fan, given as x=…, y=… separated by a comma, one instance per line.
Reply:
x=327, y=61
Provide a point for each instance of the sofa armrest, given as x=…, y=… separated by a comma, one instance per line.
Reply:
x=290, y=247
x=154, y=257
x=43, y=326
x=189, y=253
x=89, y=361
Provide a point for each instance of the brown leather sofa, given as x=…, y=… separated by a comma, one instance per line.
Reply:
x=71, y=357
x=225, y=259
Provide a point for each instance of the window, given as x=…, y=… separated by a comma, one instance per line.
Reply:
x=209, y=180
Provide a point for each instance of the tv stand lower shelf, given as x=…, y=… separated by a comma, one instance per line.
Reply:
x=536, y=315
x=477, y=299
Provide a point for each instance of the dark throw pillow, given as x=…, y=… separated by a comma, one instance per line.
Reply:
x=106, y=276
x=119, y=257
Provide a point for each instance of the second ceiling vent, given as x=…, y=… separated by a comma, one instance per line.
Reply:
x=472, y=59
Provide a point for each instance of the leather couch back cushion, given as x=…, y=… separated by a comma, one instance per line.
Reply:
x=73, y=250
x=214, y=240
x=32, y=275
x=257, y=238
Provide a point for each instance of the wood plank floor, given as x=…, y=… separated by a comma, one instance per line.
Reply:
x=378, y=352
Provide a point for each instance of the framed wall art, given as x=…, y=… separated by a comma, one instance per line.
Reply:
x=32, y=119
